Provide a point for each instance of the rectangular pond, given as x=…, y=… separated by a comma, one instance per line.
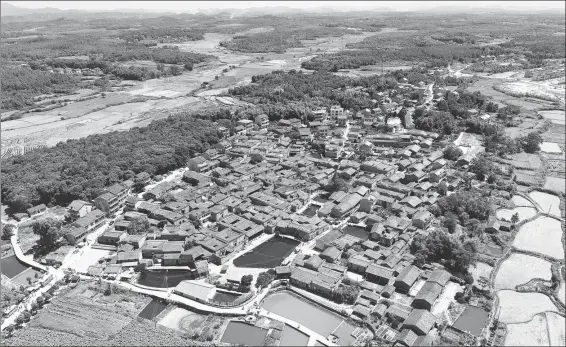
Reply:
x=11, y=266
x=356, y=231
x=293, y=337
x=152, y=309
x=163, y=278
x=473, y=319
x=240, y=333
x=310, y=315
x=268, y=254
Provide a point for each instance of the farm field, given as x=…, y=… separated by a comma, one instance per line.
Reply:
x=555, y=183
x=524, y=213
x=550, y=147
x=522, y=307
x=543, y=235
x=556, y=329
x=532, y=333
x=485, y=86
x=548, y=203
x=562, y=293
x=555, y=116
x=520, y=201
x=519, y=269
x=81, y=316
x=527, y=89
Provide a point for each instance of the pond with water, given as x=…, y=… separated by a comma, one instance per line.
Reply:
x=293, y=337
x=163, y=278
x=238, y=333
x=152, y=309
x=11, y=266
x=473, y=319
x=310, y=315
x=268, y=254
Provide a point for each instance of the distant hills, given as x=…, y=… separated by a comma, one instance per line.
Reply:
x=48, y=13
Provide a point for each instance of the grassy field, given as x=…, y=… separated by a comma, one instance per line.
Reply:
x=543, y=235
x=521, y=307
x=520, y=269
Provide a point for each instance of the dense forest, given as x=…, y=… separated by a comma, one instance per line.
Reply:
x=80, y=169
x=20, y=86
x=280, y=40
x=293, y=91
x=435, y=41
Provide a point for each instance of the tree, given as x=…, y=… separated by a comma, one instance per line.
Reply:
x=515, y=218
x=141, y=267
x=26, y=315
x=256, y=158
x=20, y=319
x=265, y=278
x=9, y=330
x=139, y=225
x=34, y=306
x=188, y=66
x=7, y=231
x=28, y=279
x=450, y=223
x=452, y=152
x=482, y=167
x=531, y=143
x=49, y=232
x=347, y=293
x=247, y=280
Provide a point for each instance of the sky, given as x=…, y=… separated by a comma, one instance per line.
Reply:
x=192, y=6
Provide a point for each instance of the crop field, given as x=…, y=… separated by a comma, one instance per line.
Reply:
x=532, y=333
x=521, y=307
x=81, y=316
x=524, y=213
x=555, y=116
x=550, y=147
x=486, y=87
x=548, y=203
x=556, y=329
x=526, y=89
x=519, y=201
x=543, y=235
x=519, y=269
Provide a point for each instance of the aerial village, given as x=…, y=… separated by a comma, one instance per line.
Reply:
x=257, y=207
